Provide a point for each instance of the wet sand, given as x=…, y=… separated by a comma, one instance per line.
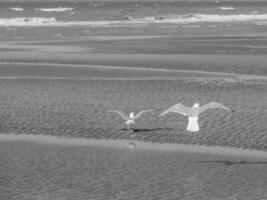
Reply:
x=138, y=145
x=223, y=53
x=65, y=87
x=69, y=103
x=50, y=171
x=62, y=84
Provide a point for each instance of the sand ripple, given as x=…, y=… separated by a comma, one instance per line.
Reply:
x=79, y=109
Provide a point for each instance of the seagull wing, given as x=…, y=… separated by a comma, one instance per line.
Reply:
x=178, y=108
x=140, y=113
x=120, y=113
x=213, y=105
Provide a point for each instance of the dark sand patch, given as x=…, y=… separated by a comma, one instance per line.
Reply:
x=164, y=44
x=240, y=64
x=212, y=53
x=14, y=49
x=6, y=46
x=84, y=72
x=47, y=171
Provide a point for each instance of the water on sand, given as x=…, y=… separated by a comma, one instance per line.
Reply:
x=46, y=170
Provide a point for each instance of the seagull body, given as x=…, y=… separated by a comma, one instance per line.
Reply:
x=193, y=113
x=129, y=120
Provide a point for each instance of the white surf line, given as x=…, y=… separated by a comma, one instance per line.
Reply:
x=123, y=144
x=149, y=69
x=55, y=9
x=16, y=9
x=92, y=38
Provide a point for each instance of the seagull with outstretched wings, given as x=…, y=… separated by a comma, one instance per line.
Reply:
x=193, y=112
x=131, y=118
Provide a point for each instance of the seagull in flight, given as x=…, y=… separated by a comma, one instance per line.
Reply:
x=193, y=112
x=131, y=118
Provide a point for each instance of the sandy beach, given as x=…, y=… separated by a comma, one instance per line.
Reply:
x=46, y=170
x=79, y=108
x=72, y=102
x=64, y=65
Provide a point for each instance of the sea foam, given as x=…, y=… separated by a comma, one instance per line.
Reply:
x=25, y=21
x=174, y=19
x=227, y=8
x=17, y=9
x=194, y=18
x=58, y=9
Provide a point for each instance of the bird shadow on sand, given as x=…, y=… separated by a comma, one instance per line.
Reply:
x=230, y=163
x=136, y=130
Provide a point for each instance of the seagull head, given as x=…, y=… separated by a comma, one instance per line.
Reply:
x=196, y=105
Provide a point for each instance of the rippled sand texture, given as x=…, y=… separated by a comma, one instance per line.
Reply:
x=76, y=108
x=49, y=172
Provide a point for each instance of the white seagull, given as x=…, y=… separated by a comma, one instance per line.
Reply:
x=193, y=113
x=131, y=118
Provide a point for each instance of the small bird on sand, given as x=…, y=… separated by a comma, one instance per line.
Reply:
x=193, y=113
x=131, y=118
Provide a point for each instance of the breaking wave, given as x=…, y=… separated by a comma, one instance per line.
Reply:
x=177, y=19
x=25, y=21
x=58, y=9
x=17, y=9
x=227, y=8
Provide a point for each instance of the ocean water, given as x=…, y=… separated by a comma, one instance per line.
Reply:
x=119, y=13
